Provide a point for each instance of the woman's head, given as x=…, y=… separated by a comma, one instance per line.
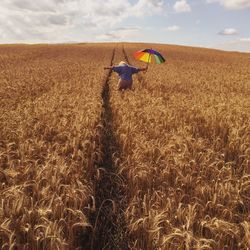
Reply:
x=122, y=63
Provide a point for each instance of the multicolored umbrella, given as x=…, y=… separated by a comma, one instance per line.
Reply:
x=149, y=55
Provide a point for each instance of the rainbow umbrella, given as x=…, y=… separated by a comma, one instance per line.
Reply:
x=149, y=55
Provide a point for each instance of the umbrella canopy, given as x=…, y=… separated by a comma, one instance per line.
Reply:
x=149, y=55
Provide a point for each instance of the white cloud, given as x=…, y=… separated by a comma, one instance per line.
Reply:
x=29, y=5
x=62, y=20
x=119, y=34
x=182, y=6
x=241, y=44
x=228, y=32
x=147, y=7
x=173, y=28
x=232, y=4
x=247, y=40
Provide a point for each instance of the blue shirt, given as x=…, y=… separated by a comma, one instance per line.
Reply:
x=125, y=71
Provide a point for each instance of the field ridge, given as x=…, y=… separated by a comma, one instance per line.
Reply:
x=109, y=229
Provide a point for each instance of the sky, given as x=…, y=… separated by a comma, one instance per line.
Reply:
x=222, y=24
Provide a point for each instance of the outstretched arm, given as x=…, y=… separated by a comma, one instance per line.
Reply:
x=109, y=67
x=144, y=69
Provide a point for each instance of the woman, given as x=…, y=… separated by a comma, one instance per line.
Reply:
x=125, y=73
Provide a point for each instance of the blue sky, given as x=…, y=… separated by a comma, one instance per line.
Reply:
x=223, y=24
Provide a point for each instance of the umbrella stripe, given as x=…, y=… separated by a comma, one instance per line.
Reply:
x=162, y=59
x=138, y=54
x=149, y=58
x=151, y=51
x=157, y=59
x=145, y=57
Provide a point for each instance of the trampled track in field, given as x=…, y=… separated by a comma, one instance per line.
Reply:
x=110, y=229
x=109, y=223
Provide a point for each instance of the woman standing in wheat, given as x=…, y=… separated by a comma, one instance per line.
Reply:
x=125, y=73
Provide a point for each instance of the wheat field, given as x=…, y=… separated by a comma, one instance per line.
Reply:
x=164, y=166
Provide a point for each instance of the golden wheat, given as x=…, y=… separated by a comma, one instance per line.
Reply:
x=50, y=113
x=184, y=134
x=183, y=156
